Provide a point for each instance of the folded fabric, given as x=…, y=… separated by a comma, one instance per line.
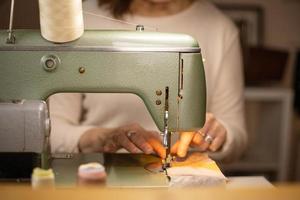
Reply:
x=197, y=169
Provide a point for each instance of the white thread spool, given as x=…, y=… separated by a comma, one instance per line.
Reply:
x=61, y=20
x=91, y=173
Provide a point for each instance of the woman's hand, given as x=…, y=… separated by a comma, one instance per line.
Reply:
x=132, y=137
x=211, y=137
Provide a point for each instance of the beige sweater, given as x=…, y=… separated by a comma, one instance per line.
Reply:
x=73, y=114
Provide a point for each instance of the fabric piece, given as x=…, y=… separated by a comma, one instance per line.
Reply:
x=196, y=170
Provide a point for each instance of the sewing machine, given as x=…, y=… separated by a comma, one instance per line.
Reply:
x=164, y=70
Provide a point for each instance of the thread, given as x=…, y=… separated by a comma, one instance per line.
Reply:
x=61, y=20
x=117, y=20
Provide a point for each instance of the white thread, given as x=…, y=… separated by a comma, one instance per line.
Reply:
x=61, y=20
x=117, y=20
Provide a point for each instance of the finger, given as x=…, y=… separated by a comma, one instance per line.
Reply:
x=211, y=132
x=174, y=148
x=196, y=147
x=203, y=146
x=218, y=141
x=139, y=140
x=197, y=139
x=208, y=123
x=185, y=140
x=110, y=147
x=157, y=146
x=124, y=142
x=98, y=145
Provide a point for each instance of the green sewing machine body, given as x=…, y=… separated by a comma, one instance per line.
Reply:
x=138, y=62
x=158, y=67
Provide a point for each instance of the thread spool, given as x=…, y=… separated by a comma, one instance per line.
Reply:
x=61, y=20
x=91, y=174
x=42, y=178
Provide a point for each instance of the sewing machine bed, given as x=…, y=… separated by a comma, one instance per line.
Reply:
x=123, y=170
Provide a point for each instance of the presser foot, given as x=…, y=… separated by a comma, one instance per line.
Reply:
x=166, y=163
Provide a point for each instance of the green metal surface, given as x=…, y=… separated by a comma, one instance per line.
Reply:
x=193, y=104
x=103, y=38
x=65, y=167
x=128, y=170
x=123, y=170
x=109, y=70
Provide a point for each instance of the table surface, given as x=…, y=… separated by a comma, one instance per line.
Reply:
x=237, y=188
x=15, y=192
x=248, y=182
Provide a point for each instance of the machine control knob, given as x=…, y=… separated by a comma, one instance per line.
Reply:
x=50, y=62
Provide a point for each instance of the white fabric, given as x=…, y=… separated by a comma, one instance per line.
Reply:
x=196, y=181
x=219, y=41
x=193, y=177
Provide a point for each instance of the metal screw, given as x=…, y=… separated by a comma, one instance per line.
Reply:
x=158, y=92
x=81, y=70
x=158, y=102
x=139, y=27
x=50, y=63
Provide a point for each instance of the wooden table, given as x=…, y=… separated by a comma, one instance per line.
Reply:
x=237, y=188
x=15, y=192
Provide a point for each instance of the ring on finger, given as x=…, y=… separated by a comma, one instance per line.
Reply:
x=208, y=139
x=130, y=133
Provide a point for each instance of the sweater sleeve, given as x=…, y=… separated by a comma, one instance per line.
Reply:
x=65, y=115
x=228, y=101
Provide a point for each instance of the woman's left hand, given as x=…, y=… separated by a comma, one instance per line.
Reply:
x=211, y=137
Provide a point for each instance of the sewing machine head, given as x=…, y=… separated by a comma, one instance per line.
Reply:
x=165, y=70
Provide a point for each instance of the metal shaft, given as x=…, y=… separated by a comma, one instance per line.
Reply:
x=166, y=118
x=167, y=133
x=11, y=38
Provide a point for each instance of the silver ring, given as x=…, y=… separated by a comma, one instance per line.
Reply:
x=208, y=139
x=130, y=133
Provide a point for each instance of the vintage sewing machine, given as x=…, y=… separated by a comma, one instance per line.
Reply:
x=165, y=70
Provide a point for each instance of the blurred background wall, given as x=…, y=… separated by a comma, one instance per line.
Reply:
x=281, y=26
x=26, y=14
x=272, y=83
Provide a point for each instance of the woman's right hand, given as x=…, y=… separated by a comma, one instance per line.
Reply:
x=132, y=137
